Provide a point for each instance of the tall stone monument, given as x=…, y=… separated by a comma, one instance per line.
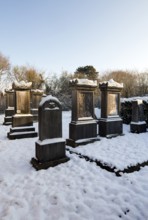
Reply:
x=83, y=126
x=22, y=120
x=138, y=123
x=36, y=96
x=50, y=148
x=9, y=112
x=110, y=123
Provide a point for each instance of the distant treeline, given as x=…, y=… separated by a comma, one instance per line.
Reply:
x=135, y=83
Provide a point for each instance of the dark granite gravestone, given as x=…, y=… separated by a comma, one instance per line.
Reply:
x=22, y=120
x=9, y=112
x=110, y=124
x=50, y=148
x=36, y=96
x=138, y=123
x=83, y=126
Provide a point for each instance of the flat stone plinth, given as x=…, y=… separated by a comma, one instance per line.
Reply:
x=110, y=127
x=8, y=116
x=39, y=166
x=7, y=120
x=83, y=130
x=50, y=149
x=138, y=127
x=49, y=153
x=77, y=143
x=19, y=120
x=22, y=132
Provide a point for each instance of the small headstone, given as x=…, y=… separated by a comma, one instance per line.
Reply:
x=22, y=120
x=138, y=123
x=9, y=112
x=110, y=123
x=50, y=148
x=36, y=96
x=83, y=126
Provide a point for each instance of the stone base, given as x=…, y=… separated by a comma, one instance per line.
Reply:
x=19, y=120
x=137, y=127
x=38, y=166
x=77, y=143
x=82, y=130
x=50, y=149
x=9, y=112
x=34, y=112
x=49, y=153
x=7, y=120
x=22, y=132
x=110, y=127
x=8, y=116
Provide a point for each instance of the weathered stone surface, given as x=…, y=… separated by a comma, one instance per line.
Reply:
x=22, y=116
x=10, y=111
x=138, y=123
x=19, y=120
x=110, y=123
x=83, y=125
x=36, y=96
x=50, y=148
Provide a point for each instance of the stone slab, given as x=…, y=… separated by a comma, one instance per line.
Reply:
x=83, y=130
x=38, y=166
x=22, y=129
x=137, y=128
x=50, y=150
x=77, y=143
x=22, y=120
x=108, y=128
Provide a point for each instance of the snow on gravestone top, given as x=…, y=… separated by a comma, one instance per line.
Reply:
x=80, y=82
x=111, y=83
x=22, y=85
x=37, y=91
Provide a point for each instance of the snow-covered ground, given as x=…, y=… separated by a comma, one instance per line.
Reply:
x=78, y=189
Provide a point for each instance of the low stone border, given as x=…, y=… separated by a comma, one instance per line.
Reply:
x=114, y=170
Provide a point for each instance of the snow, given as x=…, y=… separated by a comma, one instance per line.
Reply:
x=49, y=98
x=138, y=123
x=144, y=98
x=22, y=84
x=112, y=83
x=83, y=82
x=78, y=189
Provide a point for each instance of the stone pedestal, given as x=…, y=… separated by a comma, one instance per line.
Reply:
x=36, y=96
x=9, y=112
x=138, y=123
x=83, y=126
x=110, y=123
x=22, y=116
x=50, y=148
x=109, y=127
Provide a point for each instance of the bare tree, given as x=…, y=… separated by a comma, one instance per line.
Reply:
x=128, y=78
x=28, y=74
x=4, y=64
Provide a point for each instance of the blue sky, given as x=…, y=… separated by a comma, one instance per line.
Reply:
x=58, y=35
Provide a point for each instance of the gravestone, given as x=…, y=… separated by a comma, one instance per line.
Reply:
x=22, y=120
x=50, y=148
x=83, y=126
x=138, y=123
x=36, y=96
x=9, y=112
x=110, y=123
